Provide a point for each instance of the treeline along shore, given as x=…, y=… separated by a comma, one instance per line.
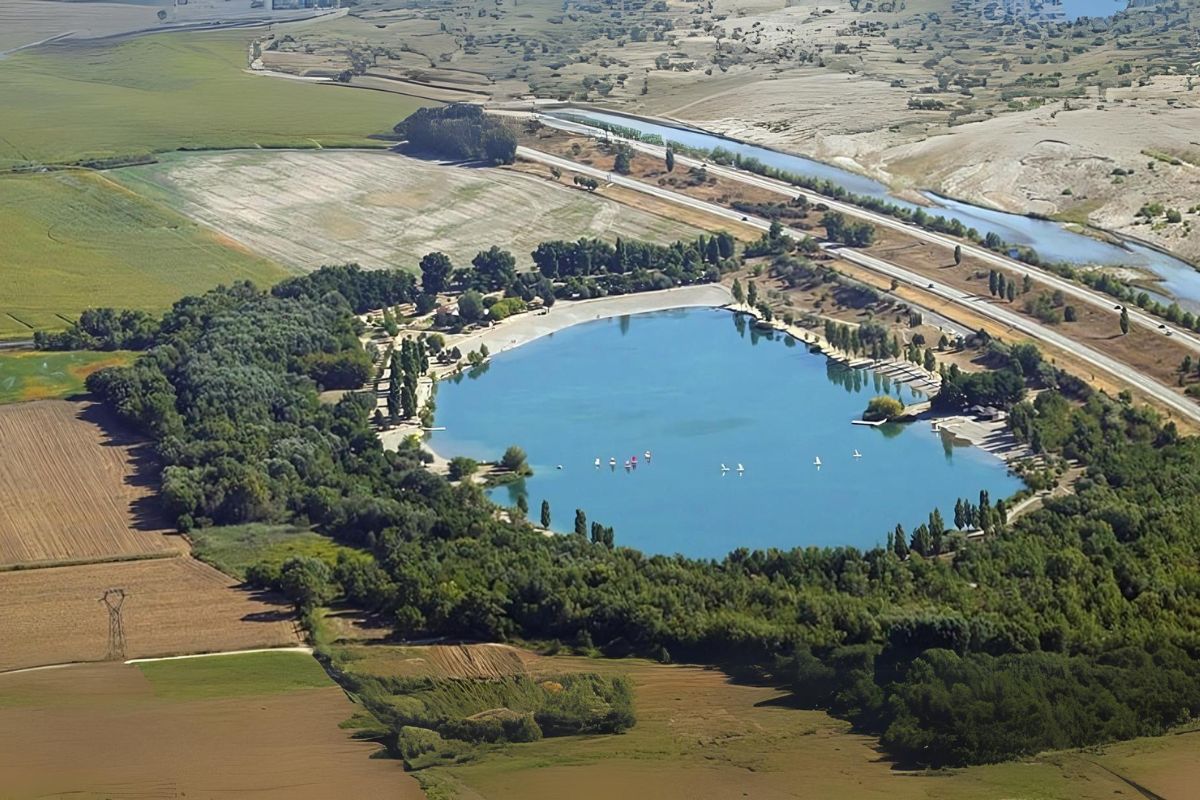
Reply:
x=1079, y=623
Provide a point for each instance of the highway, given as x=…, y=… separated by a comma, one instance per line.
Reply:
x=1163, y=394
x=1067, y=287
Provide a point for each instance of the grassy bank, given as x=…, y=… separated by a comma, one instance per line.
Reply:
x=64, y=103
x=44, y=376
x=234, y=675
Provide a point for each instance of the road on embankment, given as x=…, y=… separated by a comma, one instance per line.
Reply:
x=1159, y=392
x=1067, y=287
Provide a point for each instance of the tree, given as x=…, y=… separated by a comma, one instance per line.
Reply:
x=751, y=294
x=930, y=360
x=622, y=162
x=581, y=528
x=921, y=541
x=1011, y=291
x=545, y=513
x=305, y=581
x=462, y=467
x=522, y=506
x=739, y=296
x=1124, y=321
x=1069, y=314
x=435, y=272
x=883, y=407
x=497, y=268
x=514, y=460
x=670, y=160
x=470, y=306
x=1026, y=284
x=1001, y=285
x=957, y=254
x=408, y=401
x=396, y=380
x=992, y=282
x=900, y=542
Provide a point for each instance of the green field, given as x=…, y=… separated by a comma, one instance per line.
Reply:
x=234, y=548
x=234, y=675
x=42, y=376
x=74, y=240
x=172, y=91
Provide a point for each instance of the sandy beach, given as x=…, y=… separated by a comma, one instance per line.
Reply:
x=525, y=328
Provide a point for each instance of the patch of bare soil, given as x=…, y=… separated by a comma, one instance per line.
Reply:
x=74, y=487
x=173, y=605
x=98, y=731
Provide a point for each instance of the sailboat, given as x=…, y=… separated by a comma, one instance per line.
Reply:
x=597, y=462
x=740, y=468
x=647, y=455
x=724, y=468
x=857, y=454
x=612, y=461
x=817, y=462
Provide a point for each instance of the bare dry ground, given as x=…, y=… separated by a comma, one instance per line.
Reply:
x=71, y=489
x=173, y=605
x=307, y=209
x=99, y=730
x=702, y=736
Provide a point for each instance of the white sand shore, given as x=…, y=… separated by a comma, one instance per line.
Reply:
x=525, y=328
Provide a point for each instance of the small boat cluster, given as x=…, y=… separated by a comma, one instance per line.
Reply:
x=630, y=463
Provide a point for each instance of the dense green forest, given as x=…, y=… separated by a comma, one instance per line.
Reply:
x=461, y=131
x=1078, y=623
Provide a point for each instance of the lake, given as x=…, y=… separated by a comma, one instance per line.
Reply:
x=699, y=388
x=1053, y=241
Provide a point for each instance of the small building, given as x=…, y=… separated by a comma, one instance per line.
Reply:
x=988, y=413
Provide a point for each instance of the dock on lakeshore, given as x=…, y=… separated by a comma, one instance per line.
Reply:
x=869, y=423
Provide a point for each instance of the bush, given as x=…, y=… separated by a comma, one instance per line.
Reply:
x=883, y=407
x=462, y=467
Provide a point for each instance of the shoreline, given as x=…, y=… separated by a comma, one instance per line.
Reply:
x=992, y=438
x=530, y=326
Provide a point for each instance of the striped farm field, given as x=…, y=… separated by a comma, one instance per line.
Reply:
x=172, y=606
x=71, y=489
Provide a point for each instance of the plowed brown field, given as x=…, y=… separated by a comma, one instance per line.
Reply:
x=174, y=605
x=70, y=488
x=100, y=730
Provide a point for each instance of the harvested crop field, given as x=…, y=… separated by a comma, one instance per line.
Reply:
x=307, y=209
x=173, y=605
x=71, y=487
x=701, y=736
x=442, y=661
x=103, y=730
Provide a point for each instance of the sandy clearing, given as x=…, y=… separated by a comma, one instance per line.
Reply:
x=379, y=209
x=99, y=730
x=174, y=605
x=71, y=488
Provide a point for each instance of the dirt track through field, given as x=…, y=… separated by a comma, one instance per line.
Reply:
x=72, y=489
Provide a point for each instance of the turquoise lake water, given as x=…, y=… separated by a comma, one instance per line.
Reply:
x=699, y=388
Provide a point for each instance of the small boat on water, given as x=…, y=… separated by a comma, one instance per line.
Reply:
x=633, y=461
x=559, y=466
x=740, y=468
x=817, y=462
x=724, y=468
x=647, y=455
x=857, y=454
x=597, y=463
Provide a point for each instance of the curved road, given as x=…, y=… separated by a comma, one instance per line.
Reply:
x=1067, y=287
x=1166, y=396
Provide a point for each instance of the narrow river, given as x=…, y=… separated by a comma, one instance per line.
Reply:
x=1051, y=240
